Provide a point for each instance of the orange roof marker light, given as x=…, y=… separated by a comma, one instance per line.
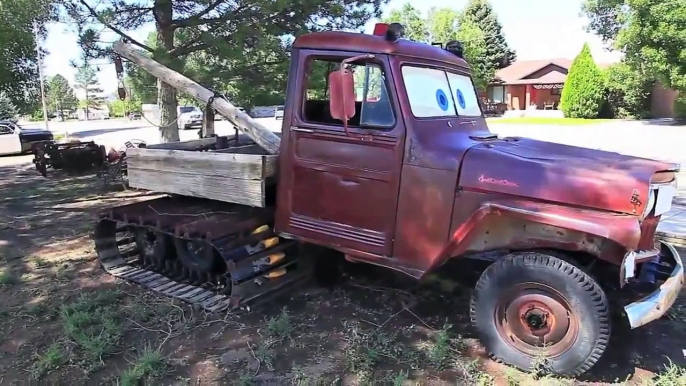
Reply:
x=392, y=32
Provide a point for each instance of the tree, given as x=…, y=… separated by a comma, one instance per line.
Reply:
x=582, y=94
x=649, y=32
x=86, y=80
x=476, y=52
x=216, y=28
x=627, y=92
x=60, y=95
x=7, y=108
x=18, y=59
x=412, y=20
x=498, y=54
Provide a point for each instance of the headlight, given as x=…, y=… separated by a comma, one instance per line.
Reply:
x=665, y=193
x=652, y=194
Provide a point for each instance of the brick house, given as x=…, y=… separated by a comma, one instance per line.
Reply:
x=530, y=86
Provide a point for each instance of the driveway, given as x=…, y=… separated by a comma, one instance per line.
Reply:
x=648, y=139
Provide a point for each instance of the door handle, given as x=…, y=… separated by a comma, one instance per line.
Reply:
x=300, y=129
x=468, y=123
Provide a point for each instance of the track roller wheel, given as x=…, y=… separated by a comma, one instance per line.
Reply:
x=199, y=258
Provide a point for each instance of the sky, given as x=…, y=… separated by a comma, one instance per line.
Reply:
x=535, y=29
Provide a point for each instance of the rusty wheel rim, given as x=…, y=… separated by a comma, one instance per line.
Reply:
x=534, y=318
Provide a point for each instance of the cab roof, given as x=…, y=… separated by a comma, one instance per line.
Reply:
x=373, y=44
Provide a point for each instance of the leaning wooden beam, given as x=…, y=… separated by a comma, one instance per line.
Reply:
x=260, y=134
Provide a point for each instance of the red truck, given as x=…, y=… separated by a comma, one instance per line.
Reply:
x=386, y=158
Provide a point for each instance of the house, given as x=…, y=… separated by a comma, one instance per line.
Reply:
x=101, y=112
x=530, y=87
x=530, y=84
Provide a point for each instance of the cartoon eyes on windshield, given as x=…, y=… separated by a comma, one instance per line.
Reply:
x=442, y=100
x=444, y=104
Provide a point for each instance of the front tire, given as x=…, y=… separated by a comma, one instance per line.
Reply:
x=529, y=307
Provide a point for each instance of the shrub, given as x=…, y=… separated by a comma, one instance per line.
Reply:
x=627, y=92
x=583, y=91
x=680, y=106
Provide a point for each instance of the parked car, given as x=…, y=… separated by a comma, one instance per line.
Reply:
x=189, y=117
x=19, y=140
x=278, y=113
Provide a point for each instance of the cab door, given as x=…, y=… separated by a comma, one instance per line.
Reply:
x=341, y=188
x=9, y=140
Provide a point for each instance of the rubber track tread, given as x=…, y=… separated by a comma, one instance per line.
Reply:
x=190, y=219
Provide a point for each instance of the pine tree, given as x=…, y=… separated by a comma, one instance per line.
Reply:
x=498, y=53
x=7, y=108
x=582, y=94
x=87, y=80
x=60, y=94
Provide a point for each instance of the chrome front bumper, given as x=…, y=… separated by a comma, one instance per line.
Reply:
x=656, y=304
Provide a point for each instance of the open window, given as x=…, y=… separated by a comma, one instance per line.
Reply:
x=373, y=108
x=4, y=129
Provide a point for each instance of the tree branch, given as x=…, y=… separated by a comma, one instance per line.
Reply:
x=197, y=20
x=121, y=33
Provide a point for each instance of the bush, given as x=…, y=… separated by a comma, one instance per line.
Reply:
x=627, y=92
x=583, y=91
x=680, y=106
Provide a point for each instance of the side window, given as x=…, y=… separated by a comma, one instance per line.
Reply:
x=466, y=101
x=429, y=92
x=373, y=108
x=5, y=130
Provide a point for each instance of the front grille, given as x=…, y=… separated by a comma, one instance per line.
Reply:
x=648, y=230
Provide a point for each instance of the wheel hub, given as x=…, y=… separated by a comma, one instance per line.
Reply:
x=535, y=317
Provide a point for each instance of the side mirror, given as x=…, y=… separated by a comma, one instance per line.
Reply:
x=342, y=94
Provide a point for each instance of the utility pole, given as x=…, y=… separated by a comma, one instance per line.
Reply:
x=40, y=75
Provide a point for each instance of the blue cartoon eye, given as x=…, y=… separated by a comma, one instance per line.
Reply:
x=442, y=99
x=460, y=99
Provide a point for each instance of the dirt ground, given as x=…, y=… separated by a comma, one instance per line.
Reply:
x=65, y=321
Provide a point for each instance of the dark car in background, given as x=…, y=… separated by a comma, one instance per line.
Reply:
x=15, y=139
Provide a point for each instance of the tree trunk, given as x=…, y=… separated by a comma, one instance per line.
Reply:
x=166, y=94
x=208, y=122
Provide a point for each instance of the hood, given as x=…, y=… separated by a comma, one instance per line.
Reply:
x=563, y=174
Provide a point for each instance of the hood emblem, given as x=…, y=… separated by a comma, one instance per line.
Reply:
x=488, y=180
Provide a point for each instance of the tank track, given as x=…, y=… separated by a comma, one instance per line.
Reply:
x=212, y=254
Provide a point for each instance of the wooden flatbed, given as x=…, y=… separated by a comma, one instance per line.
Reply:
x=230, y=169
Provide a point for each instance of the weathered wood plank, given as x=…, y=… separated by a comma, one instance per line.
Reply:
x=239, y=191
x=216, y=164
x=184, y=145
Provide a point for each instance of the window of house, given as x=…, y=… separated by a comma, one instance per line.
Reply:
x=373, y=108
x=555, y=91
x=496, y=94
x=437, y=93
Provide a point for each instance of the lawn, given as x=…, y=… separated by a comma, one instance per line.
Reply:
x=547, y=121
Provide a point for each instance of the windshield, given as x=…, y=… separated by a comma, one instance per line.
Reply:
x=187, y=109
x=280, y=108
x=438, y=93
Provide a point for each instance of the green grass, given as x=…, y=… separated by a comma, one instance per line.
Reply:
x=8, y=278
x=52, y=358
x=547, y=121
x=94, y=324
x=149, y=364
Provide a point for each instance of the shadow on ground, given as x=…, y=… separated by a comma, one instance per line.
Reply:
x=66, y=321
x=92, y=133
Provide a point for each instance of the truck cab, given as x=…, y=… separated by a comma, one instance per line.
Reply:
x=386, y=157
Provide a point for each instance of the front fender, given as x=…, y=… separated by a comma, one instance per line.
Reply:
x=518, y=225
